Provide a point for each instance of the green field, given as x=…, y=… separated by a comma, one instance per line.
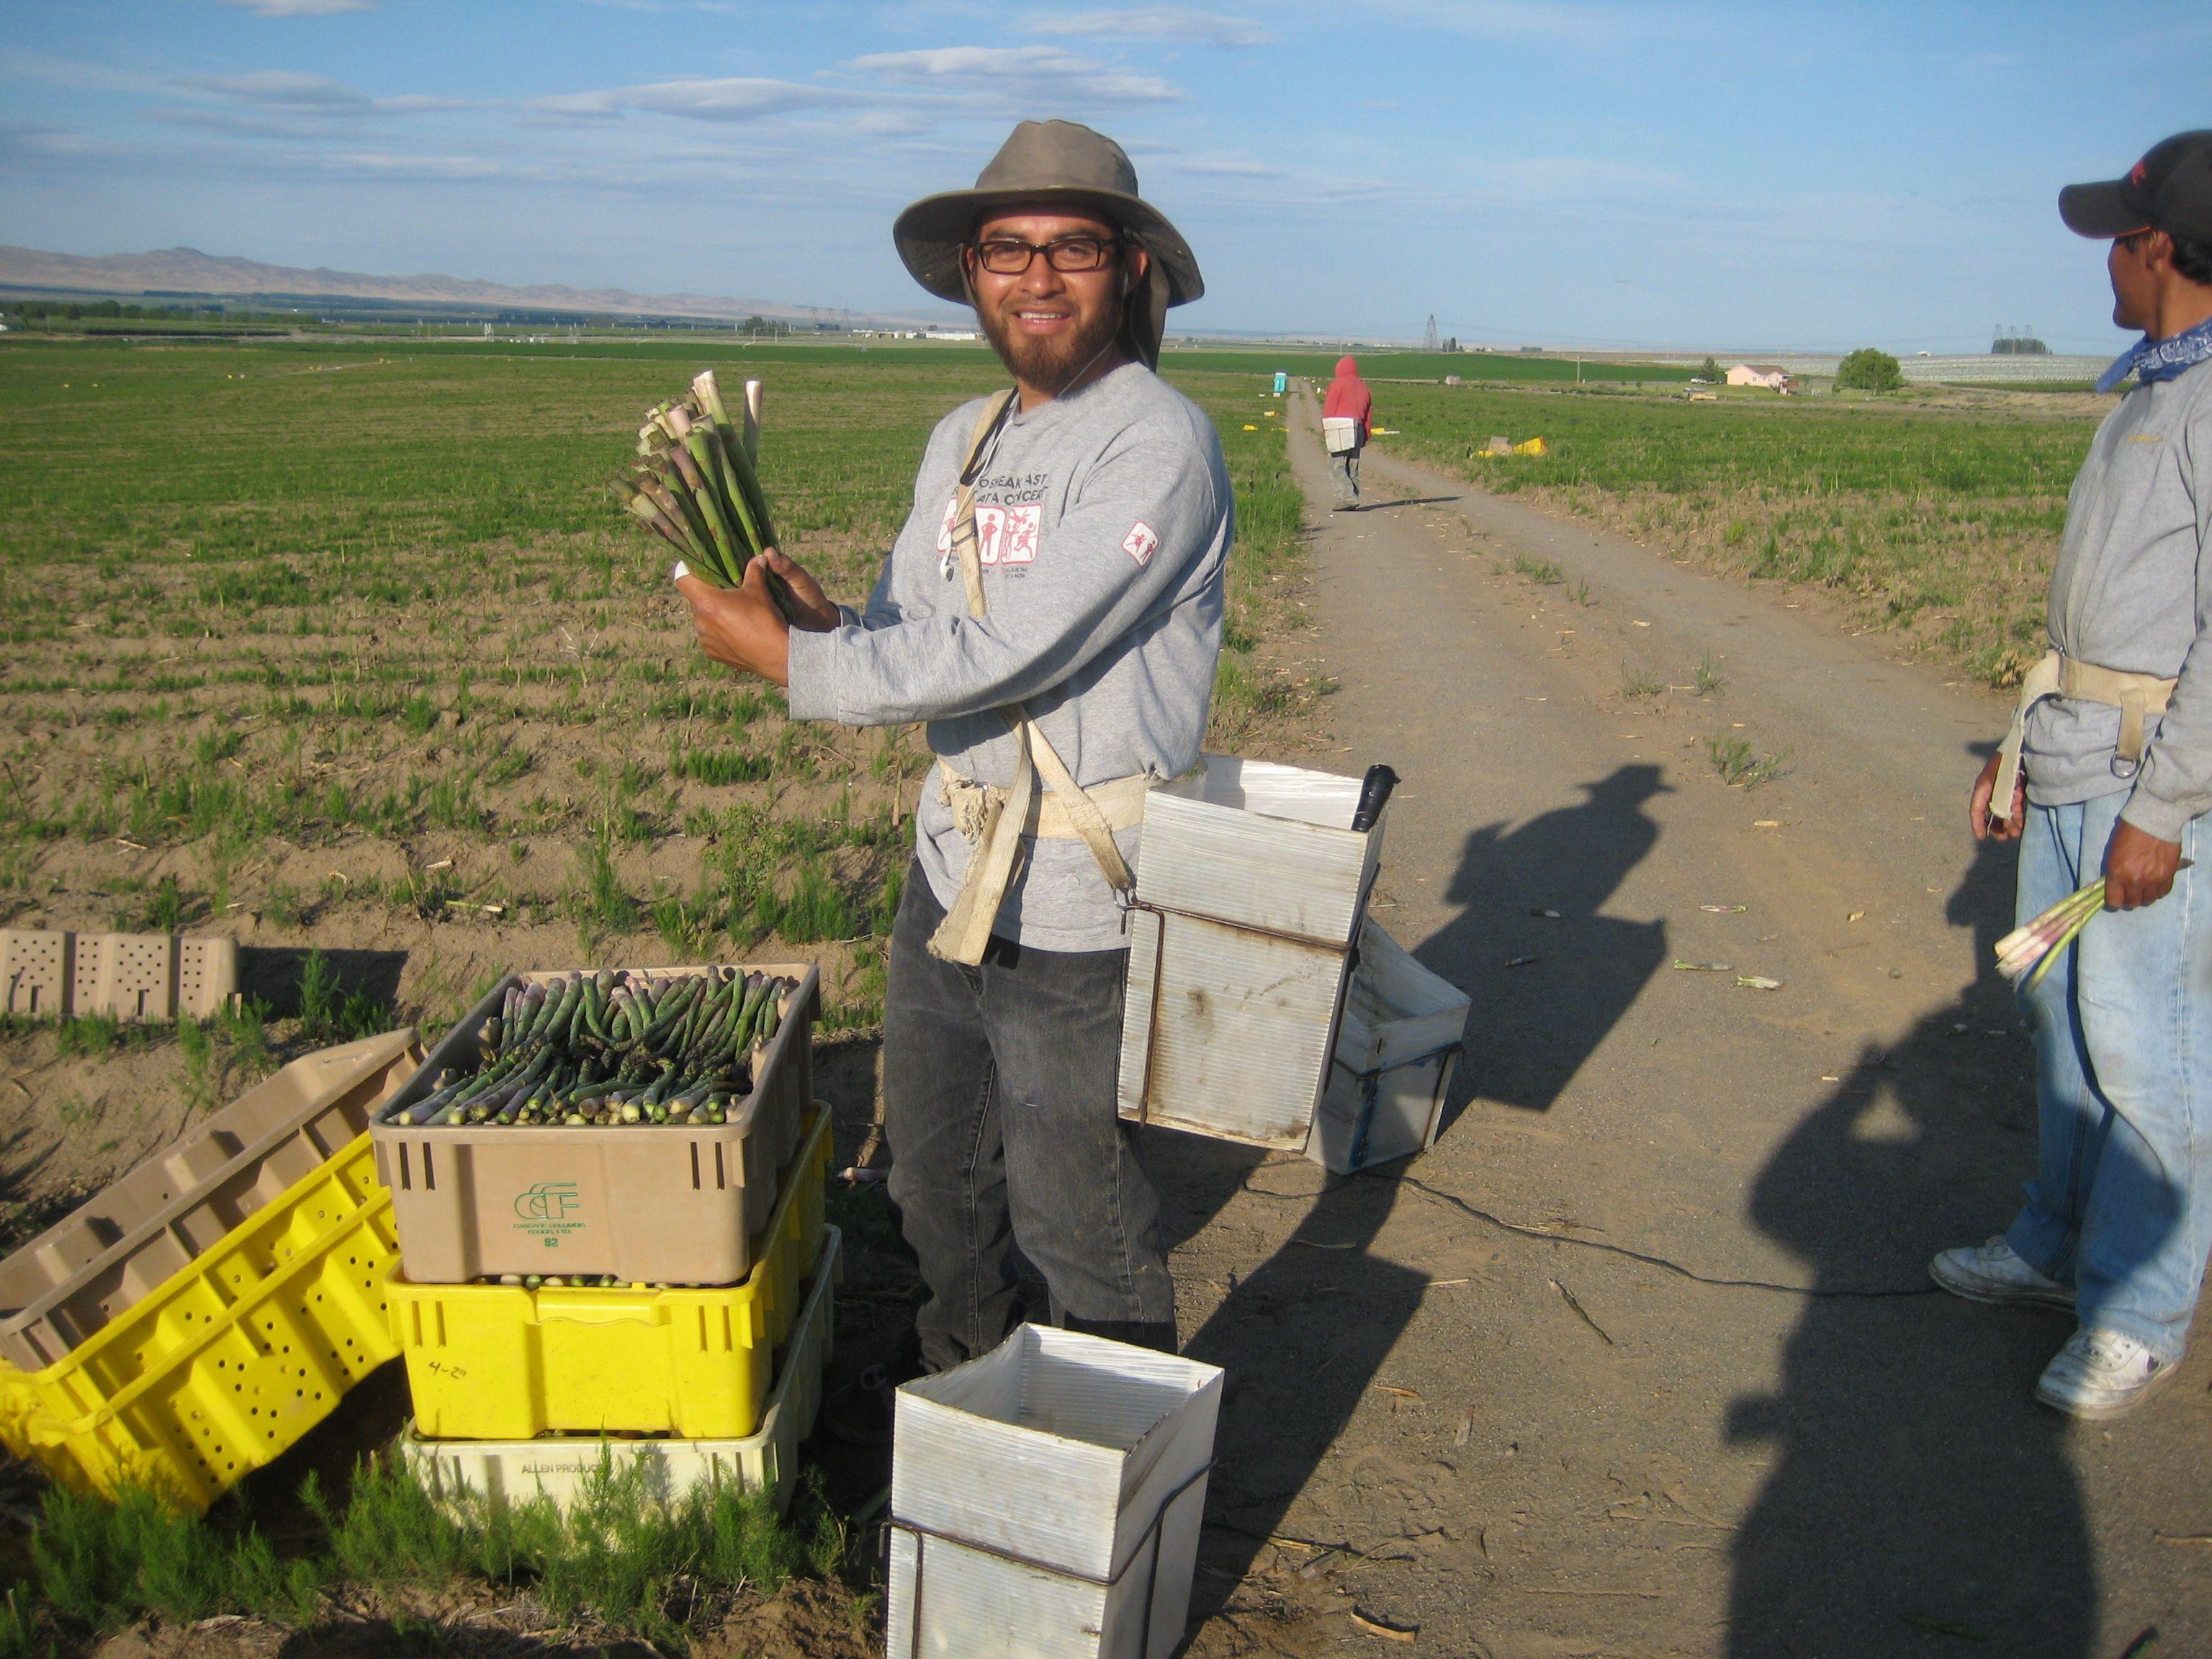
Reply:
x=1934, y=515
x=337, y=643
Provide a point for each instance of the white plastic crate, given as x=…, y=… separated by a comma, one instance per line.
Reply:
x=457, y=1473
x=1046, y=1501
x=1251, y=884
x=1340, y=434
x=1402, y=1031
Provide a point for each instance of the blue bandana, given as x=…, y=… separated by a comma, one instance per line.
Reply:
x=2150, y=359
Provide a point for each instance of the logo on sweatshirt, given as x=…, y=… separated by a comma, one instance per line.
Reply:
x=1140, y=543
x=1003, y=535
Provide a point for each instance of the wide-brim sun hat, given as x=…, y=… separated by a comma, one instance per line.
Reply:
x=1053, y=164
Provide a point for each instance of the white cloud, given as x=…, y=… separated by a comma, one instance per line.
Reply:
x=1030, y=72
x=285, y=89
x=736, y=98
x=301, y=8
x=1204, y=28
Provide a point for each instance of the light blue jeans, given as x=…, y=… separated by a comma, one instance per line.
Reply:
x=2121, y=1204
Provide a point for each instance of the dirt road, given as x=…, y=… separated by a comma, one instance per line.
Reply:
x=1642, y=1358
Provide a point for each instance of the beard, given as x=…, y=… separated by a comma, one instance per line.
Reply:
x=1050, y=366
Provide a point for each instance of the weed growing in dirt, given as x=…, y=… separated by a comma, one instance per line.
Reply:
x=1640, y=682
x=329, y=1013
x=1740, y=765
x=621, y=1562
x=1707, y=680
x=101, y=1565
x=1545, y=572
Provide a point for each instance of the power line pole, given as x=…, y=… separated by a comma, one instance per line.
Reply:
x=1429, y=341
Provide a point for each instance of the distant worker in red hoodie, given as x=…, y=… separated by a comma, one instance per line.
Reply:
x=1344, y=414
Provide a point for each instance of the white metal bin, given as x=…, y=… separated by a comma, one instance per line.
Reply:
x=1251, y=885
x=1402, y=1032
x=1046, y=1501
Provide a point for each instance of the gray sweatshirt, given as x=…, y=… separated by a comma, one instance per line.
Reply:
x=1104, y=522
x=2132, y=590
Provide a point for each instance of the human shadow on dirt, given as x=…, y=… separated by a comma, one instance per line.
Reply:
x=1547, y=988
x=1302, y=1339
x=1921, y=1500
x=1305, y=1335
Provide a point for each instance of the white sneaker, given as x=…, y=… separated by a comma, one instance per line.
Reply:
x=2101, y=1374
x=1993, y=1273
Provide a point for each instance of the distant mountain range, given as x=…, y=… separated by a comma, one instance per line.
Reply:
x=185, y=271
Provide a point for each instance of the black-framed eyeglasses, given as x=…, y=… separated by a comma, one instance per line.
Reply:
x=1009, y=256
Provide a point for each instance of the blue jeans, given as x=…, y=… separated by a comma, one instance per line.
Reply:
x=999, y=1110
x=2121, y=1204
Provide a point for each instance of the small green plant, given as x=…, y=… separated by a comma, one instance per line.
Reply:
x=417, y=715
x=1740, y=765
x=87, y=1036
x=1542, y=571
x=1708, y=680
x=285, y=906
x=1640, y=682
x=1581, y=594
x=720, y=767
x=597, y=901
x=329, y=1013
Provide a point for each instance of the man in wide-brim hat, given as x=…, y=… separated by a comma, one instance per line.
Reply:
x=1053, y=611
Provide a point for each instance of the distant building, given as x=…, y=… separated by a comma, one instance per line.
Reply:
x=1774, y=379
x=950, y=334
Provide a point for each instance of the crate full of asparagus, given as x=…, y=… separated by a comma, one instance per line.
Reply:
x=626, y=1122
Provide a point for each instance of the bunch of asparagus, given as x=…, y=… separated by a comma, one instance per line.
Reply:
x=694, y=485
x=2027, y=953
x=614, y=1047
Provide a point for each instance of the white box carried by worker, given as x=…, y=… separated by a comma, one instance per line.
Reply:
x=1251, y=885
x=1341, y=434
x=1402, y=1030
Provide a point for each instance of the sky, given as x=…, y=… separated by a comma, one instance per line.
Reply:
x=1686, y=176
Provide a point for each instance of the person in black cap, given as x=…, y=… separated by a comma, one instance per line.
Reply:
x=1053, y=611
x=2107, y=772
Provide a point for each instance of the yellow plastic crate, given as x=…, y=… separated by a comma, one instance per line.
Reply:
x=498, y=1361
x=232, y=1359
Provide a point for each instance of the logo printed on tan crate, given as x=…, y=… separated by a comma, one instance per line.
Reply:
x=544, y=1209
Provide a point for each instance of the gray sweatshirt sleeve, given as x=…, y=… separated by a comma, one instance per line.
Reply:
x=1094, y=578
x=2175, y=785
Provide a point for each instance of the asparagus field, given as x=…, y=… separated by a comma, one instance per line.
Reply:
x=1934, y=514
x=347, y=648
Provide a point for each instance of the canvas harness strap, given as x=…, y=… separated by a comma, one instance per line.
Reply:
x=994, y=820
x=2137, y=696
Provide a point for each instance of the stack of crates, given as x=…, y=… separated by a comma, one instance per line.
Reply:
x=189, y=1323
x=703, y=1361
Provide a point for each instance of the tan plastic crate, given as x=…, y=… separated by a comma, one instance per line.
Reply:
x=116, y=1249
x=34, y=971
x=53, y=973
x=663, y=1204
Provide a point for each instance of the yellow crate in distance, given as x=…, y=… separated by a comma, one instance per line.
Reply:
x=232, y=1359
x=499, y=1362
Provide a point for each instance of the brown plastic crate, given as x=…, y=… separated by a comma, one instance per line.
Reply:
x=116, y=1249
x=665, y=1204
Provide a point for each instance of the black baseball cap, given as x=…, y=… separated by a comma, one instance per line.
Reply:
x=2169, y=190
